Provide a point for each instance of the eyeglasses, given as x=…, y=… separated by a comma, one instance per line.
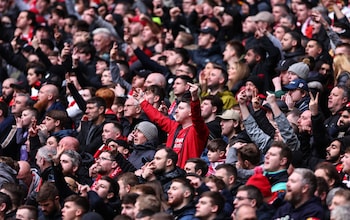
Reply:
x=240, y=198
x=103, y=159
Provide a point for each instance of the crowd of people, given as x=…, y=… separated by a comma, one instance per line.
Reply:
x=176, y=109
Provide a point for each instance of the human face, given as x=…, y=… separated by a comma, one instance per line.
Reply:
x=70, y=211
x=105, y=163
x=241, y=199
x=292, y=76
x=304, y=122
x=213, y=156
x=19, y=105
x=102, y=188
x=67, y=165
x=215, y=78
x=212, y=186
x=248, y=26
x=7, y=91
x=227, y=127
x=204, y=40
x=159, y=161
x=302, y=13
x=228, y=53
x=106, y=78
x=48, y=207
x=180, y=87
x=135, y=29
x=44, y=94
x=333, y=151
x=273, y=160
x=232, y=71
x=52, y=142
x=101, y=66
x=250, y=57
x=277, y=13
x=206, y=109
x=172, y=58
x=346, y=163
x=23, y=214
x=85, y=93
x=183, y=71
x=287, y=42
x=250, y=89
x=129, y=210
x=101, y=42
x=325, y=69
x=109, y=131
x=176, y=194
x=245, y=213
x=26, y=117
x=204, y=208
x=322, y=173
x=337, y=201
x=336, y=100
x=222, y=174
x=279, y=33
x=50, y=123
x=22, y=20
x=139, y=138
x=122, y=189
x=190, y=167
x=137, y=81
x=32, y=77
x=294, y=189
x=92, y=111
x=182, y=112
x=284, y=78
x=312, y=49
x=130, y=108
x=296, y=94
x=344, y=120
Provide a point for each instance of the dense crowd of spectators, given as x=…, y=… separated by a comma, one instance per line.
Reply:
x=174, y=109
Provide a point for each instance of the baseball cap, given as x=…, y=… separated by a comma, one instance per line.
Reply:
x=209, y=30
x=283, y=65
x=297, y=84
x=264, y=16
x=137, y=19
x=230, y=115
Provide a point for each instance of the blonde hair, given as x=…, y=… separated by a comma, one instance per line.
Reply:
x=242, y=71
x=341, y=64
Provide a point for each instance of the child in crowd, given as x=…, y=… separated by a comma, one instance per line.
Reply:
x=216, y=154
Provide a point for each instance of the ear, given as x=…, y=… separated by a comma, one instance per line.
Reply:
x=283, y=161
x=294, y=43
x=221, y=80
x=331, y=182
x=128, y=188
x=1, y=113
x=305, y=189
x=125, y=151
x=222, y=154
x=50, y=96
x=246, y=163
x=212, y=39
x=235, y=124
x=101, y=110
x=231, y=179
x=156, y=98
x=138, y=109
x=75, y=168
x=169, y=162
x=214, y=109
x=57, y=123
x=2, y=207
x=110, y=195
x=214, y=208
x=114, y=165
x=78, y=212
x=253, y=202
x=199, y=172
x=187, y=193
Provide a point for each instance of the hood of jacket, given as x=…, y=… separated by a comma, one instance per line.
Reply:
x=7, y=174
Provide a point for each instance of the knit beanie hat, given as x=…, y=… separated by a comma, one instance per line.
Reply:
x=258, y=82
x=148, y=129
x=301, y=69
x=261, y=182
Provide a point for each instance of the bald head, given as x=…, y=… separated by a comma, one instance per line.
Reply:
x=69, y=143
x=155, y=79
x=24, y=172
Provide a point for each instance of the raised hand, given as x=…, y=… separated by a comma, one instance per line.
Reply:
x=193, y=91
x=313, y=104
x=242, y=97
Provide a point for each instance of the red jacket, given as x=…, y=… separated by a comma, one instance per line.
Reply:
x=189, y=142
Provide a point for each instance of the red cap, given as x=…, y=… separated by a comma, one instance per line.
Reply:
x=261, y=182
x=137, y=19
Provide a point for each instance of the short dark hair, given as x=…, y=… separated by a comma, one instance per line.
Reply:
x=249, y=152
x=215, y=101
x=4, y=108
x=219, y=183
x=80, y=201
x=230, y=169
x=100, y=102
x=157, y=91
x=48, y=191
x=172, y=155
x=33, y=211
x=216, y=199
x=130, y=198
x=217, y=144
x=285, y=151
x=199, y=165
x=187, y=184
x=183, y=53
x=237, y=46
x=4, y=198
x=295, y=36
x=253, y=193
x=331, y=172
x=58, y=115
x=114, y=187
x=128, y=178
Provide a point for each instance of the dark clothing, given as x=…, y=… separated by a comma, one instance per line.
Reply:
x=167, y=178
x=142, y=152
x=214, y=129
x=278, y=180
x=265, y=212
x=310, y=209
x=90, y=136
x=8, y=144
x=106, y=210
x=331, y=124
x=303, y=104
x=298, y=53
x=185, y=213
x=55, y=216
x=202, y=56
